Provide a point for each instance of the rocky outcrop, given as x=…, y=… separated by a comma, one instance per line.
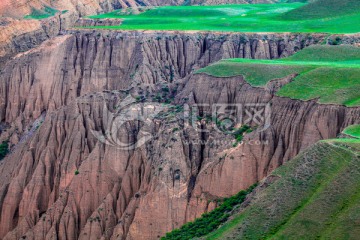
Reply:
x=86, y=22
x=61, y=103
x=65, y=183
x=18, y=36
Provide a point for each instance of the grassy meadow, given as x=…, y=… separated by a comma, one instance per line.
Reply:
x=341, y=17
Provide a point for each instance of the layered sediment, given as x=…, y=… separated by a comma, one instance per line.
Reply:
x=62, y=181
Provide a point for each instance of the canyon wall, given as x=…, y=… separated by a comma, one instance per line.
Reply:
x=83, y=62
x=62, y=181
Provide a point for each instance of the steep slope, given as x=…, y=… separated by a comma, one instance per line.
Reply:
x=89, y=61
x=313, y=196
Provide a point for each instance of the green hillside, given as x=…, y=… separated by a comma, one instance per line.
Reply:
x=353, y=131
x=314, y=196
x=318, y=9
x=330, y=74
x=342, y=16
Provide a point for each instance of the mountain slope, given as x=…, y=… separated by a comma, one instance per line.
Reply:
x=315, y=195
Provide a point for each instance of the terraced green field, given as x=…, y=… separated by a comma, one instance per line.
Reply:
x=330, y=74
x=341, y=17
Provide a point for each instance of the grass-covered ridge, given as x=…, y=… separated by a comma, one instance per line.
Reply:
x=315, y=196
x=41, y=13
x=353, y=131
x=330, y=74
x=245, y=18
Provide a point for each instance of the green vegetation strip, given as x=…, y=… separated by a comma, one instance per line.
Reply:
x=314, y=196
x=330, y=74
x=209, y=221
x=342, y=16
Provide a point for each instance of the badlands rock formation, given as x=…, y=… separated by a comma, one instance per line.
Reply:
x=57, y=101
x=69, y=66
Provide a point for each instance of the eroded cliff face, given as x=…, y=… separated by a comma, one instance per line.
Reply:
x=69, y=66
x=61, y=181
x=18, y=36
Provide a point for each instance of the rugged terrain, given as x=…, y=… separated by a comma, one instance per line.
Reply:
x=314, y=195
x=53, y=96
x=77, y=171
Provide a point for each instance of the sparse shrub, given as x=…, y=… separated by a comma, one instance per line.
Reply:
x=77, y=172
x=4, y=149
x=239, y=134
x=336, y=41
x=165, y=89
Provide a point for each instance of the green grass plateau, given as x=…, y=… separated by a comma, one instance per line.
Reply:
x=341, y=16
x=330, y=74
x=353, y=131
